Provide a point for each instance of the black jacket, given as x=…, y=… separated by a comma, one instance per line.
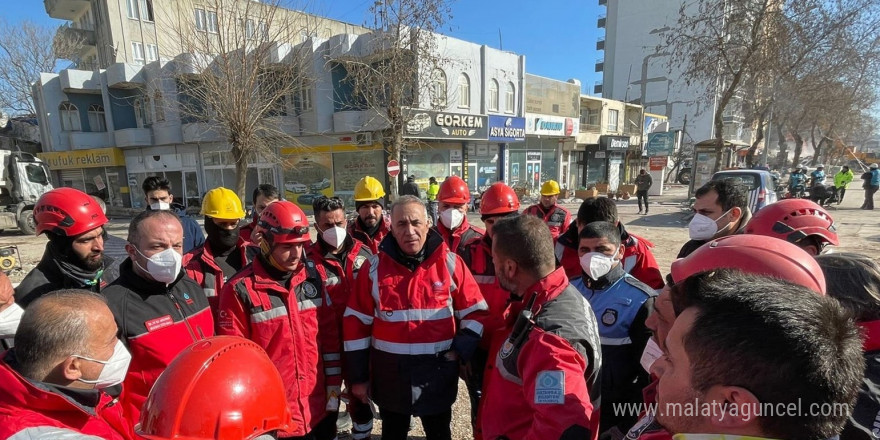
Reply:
x=47, y=277
x=410, y=189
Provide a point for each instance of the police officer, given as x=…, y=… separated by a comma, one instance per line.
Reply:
x=431, y=194
x=556, y=217
x=281, y=286
x=371, y=225
x=622, y=304
x=454, y=227
x=261, y=198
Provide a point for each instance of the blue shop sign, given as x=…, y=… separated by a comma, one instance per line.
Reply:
x=507, y=129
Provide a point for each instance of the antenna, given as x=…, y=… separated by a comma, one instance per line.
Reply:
x=500, y=41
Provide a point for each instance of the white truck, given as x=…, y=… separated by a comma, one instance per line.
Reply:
x=24, y=178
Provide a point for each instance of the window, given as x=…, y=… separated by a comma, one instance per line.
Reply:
x=612, y=120
x=303, y=99
x=211, y=23
x=132, y=7
x=464, y=91
x=510, y=99
x=249, y=29
x=96, y=118
x=201, y=20
x=69, y=117
x=152, y=53
x=146, y=9
x=137, y=51
x=493, y=95
x=142, y=112
x=158, y=108
x=263, y=31
x=438, y=88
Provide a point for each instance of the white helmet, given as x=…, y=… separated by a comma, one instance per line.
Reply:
x=873, y=166
x=819, y=166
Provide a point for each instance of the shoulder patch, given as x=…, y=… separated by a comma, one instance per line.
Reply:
x=550, y=388
x=309, y=290
x=359, y=261
x=609, y=317
x=646, y=289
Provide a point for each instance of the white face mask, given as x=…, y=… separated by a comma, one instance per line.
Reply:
x=114, y=369
x=702, y=227
x=451, y=218
x=652, y=353
x=9, y=319
x=163, y=266
x=334, y=236
x=596, y=264
x=160, y=206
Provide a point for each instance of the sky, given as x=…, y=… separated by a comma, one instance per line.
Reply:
x=558, y=37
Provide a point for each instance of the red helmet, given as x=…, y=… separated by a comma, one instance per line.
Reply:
x=756, y=255
x=454, y=190
x=224, y=387
x=792, y=220
x=499, y=199
x=67, y=211
x=284, y=222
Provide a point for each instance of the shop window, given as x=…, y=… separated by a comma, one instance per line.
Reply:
x=612, y=120
x=493, y=95
x=510, y=99
x=464, y=91
x=438, y=88
x=97, y=122
x=69, y=117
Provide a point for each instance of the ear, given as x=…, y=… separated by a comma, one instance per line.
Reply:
x=737, y=212
x=170, y=198
x=738, y=409
x=130, y=250
x=620, y=251
x=70, y=368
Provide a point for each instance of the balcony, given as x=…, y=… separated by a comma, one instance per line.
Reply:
x=276, y=52
x=134, y=137
x=600, y=44
x=289, y=125
x=590, y=128
x=84, y=140
x=82, y=81
x=600, y=23
x=600, y=64
x=191, y=63
x=82, y=39
x=597, y=88
x=359, y=120
x=65, y=9
x=167, y=132
x=201, y=132
x=125, y=76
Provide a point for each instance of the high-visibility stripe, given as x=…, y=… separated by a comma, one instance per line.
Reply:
x=615, y=341
x=410, y=315
x=331, y=356
x=450, y=265
x=50, y=433
x=332, y=281
x=332, y=371
x=210, y=292
x=484, y=279
x=309, y=304
x=417, y=348
x=478, y=306
x=277, y=312
x=357, y=344
x=374, y=278
x=365, y=319
x=473, y=326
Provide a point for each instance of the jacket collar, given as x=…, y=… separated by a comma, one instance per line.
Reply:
x=569, y=238
x=608, y=280
x=547, y=289
x=263, y=277
x=207, y=255
x=390, y=247
x=457, y=232
x=871, y=330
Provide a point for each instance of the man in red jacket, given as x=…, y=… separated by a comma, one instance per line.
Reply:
x=454, y=197
x=556, y=217
x=545, y=384
x=62, y=378
x=280, y=303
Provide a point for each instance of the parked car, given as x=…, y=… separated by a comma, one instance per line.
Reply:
x=760, y=184
x=307, y=199
x=296, y=187
x=317, y=186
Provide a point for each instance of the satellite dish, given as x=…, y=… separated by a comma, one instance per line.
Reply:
x=4, y=120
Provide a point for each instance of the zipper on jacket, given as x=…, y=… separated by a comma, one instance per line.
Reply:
x=192, y=334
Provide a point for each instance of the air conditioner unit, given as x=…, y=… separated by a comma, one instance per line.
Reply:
x=363, y=139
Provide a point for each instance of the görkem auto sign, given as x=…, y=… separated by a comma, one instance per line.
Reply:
x=426, y=124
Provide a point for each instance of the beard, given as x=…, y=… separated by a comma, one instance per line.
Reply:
x=91, y=262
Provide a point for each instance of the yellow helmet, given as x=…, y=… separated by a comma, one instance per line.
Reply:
x=222, y=203
x=550, y=188
x=368, y=189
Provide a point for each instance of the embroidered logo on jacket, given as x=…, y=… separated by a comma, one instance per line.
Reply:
x=159, y=323
x=550, y=387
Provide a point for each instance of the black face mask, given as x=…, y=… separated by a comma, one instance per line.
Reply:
x=221, y=239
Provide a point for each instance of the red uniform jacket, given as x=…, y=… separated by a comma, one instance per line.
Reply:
x=557, y=218
x=338, y=280
x=358, y=233
x=459, y=238
x=41, y=409
x=200, y=266
x=296, y=326
x=478, y=257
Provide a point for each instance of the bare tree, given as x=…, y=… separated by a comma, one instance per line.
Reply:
x=26, y=50
x=397, y=71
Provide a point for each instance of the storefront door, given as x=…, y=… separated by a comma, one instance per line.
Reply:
x=533, y=169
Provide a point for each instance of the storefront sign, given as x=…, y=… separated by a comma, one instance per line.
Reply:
x=77, y=159
x=533, y=156
x=507, y=129
x=548, y=125
x=661, y=144
x=657, y=163
x=616, y=143
x=426, y=124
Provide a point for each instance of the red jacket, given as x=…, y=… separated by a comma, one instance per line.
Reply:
x=545, y=384
x=638, y=260
x=478, y=257
x=338, y=280
x=296, y=327
x=358, y=233
x=557, y=218
x=42, y=409
x=200, y=266
x=459, y=238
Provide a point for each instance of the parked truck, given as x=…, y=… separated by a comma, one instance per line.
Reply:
x=23, y=180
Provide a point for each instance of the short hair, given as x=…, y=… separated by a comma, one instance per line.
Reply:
x=604, y=230
x=327, y=204
x=266, y=190
x=153, y=183
x=408, y=200
x=53, y=327
x=781, y=341
x=730, y=194
x=597, y=209
x=854, y=280
x=134, y=232
x=526, y=240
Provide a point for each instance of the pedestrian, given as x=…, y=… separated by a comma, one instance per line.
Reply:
x=556, y=217
x=841, y=182
x=74, y=256
x=854, y=280
x=622, y=304
x=738, y=343
x=817, y=177
x=280, y=287
x=871, y=185
x=415, y=313
x=643, y=184
x=10, y=313
x=796, y=183
x=224, y=252
x=263, y=195
x=797, y=221
x=61, y=380
x=431, y=194
x=717, y=201
x=638, y=260
x=545, y=384
x=372, y=225
x=158, y=309
x=457, y=232
x=339, y=258
x=410, y=188
x=157, y=194
x=222, y=388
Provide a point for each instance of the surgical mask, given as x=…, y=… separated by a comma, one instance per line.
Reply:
x=702, y=227
x=451, y=218
x=334, y=236
x=651, y=353
x=163, y=266
x=114, y=369
x=9, y=319
x=596, y=264
x=160, y=206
